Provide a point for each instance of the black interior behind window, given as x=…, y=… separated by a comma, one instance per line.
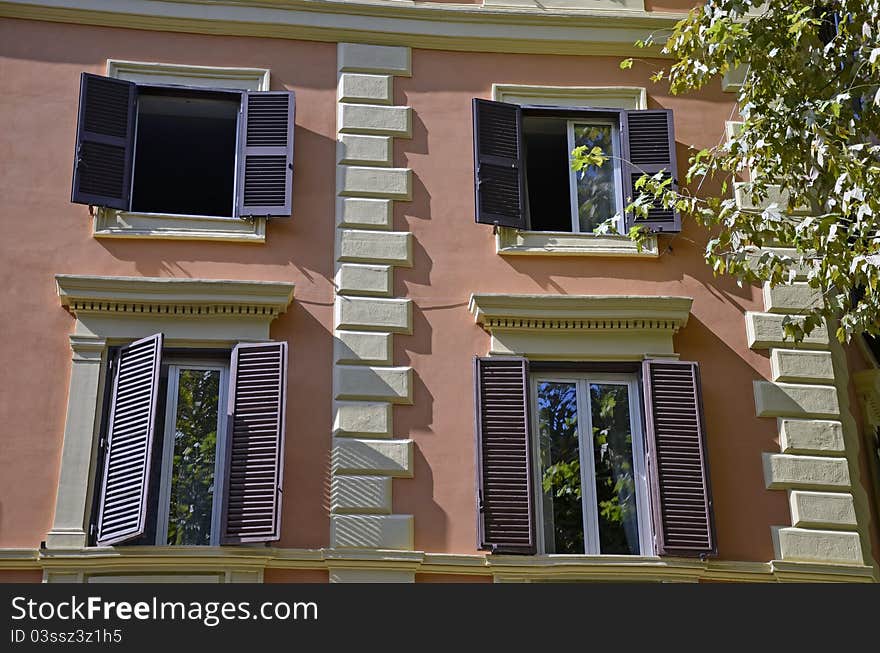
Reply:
x=185, y=153
x=547, y=173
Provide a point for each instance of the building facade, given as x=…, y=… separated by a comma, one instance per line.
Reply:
x=273, y=335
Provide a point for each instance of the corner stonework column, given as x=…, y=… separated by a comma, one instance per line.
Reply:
x=817, y=435
x=366, y=383
x=69, y=527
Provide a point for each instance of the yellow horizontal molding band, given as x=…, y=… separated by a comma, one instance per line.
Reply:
x=437, y=26
x=195, y=559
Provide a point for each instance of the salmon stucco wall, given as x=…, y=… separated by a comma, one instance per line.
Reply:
x=44, y=234
x=453, y=257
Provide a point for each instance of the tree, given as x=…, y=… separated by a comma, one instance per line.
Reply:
x=810, y=111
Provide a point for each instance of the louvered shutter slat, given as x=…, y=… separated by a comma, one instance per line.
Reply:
x=650, y=148
x=252, y=505
x=124, y=486
x=266, y=158
x=504, y=456
x=678, y=465
x=104, y=142
x=498, y=164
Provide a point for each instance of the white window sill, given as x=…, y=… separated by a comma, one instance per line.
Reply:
x=513, y=242
x=110, y=223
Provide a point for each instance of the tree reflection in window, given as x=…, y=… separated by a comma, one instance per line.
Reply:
x=195, y=450
x=615, y=482
x=569, y=503
x=560, y=467
x=596, y=194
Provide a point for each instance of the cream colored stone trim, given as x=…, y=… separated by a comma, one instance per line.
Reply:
x=612, y=97
x=369, y=348
x=808, y=545
x=817, y=435
x=795, y=400
x=365, y=383
x=580, y=312
x=439, y=26
x=822, y=509
x=581, y=327
x=370, y=576
x=83, y=294
x=361, y=456
x=765, y=330
x=568, y=5
x=361, y=418
x=190, y=312
x=795, y=366
x=516, y=242
x=365, y=531
x=361, y=494
x=372, y=89
x=74, y=565
x=363, y=212
x=356, y=149
x=112, y=223
x=811, y=436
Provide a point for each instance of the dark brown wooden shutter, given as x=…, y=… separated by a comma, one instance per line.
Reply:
x=678, y=467
x=252, y=505
x=504, y=464
x=649, y=147
x=266, y=154
x=104, y=142
x=498, y=164
x=123, y=505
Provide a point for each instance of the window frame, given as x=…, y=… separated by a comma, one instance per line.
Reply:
x=180, y=90
x=170, y=411
x=118, y=223
x=619, y=218
x=586, y=454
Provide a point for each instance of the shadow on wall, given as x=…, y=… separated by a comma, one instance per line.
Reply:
x=735, y=439
x=305, y=504
x=290, y=241
x=416, y=496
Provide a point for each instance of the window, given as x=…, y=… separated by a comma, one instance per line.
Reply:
x=559, y=198
x=178, y=150
x=193, y=454
x=590, y=465
x=581, y=458
x=192, y=448
x=523, y=175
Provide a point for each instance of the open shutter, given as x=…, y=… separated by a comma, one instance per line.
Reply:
x=265, y=177
x=104, y=142
x=649, y=147
x=504, y=477
x=678, y=467
x=498, y=164
x=123, y=505
x=252, y=505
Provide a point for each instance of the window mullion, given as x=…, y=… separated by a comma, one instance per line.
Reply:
x=220, y=479
x=572, y=180
x=588, y=469
x=167, y=456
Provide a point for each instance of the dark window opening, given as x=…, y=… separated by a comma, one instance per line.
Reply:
x=547, y=173
x=185, y=154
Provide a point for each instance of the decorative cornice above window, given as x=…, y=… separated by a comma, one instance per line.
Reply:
x=580, y=312
x=172, y=297
x=581, y=327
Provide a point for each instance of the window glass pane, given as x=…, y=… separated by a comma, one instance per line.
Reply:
x=615, y=478
x=195, y=450
x=560, y=468
x=595, y=184
x=185, y=154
